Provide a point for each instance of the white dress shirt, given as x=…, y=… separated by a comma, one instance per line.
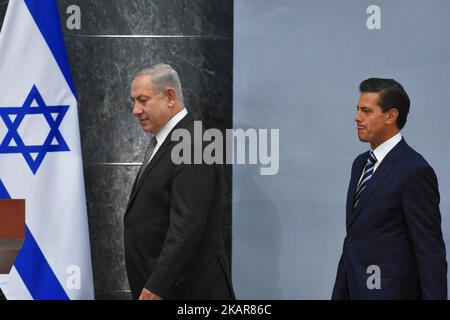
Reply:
x=382, y=150
x=162, y=134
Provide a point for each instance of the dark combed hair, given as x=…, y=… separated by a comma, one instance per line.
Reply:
x=392, y=95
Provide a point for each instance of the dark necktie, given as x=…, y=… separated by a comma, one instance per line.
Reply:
x=368, y=172
x=148, y=153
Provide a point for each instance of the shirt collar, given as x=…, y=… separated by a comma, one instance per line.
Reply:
x=383, y=149
x=162, y=134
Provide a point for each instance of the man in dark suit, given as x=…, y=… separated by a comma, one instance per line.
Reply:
x=174, y=247
x=394, y=247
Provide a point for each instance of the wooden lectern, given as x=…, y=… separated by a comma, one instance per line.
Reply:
x=12, y=232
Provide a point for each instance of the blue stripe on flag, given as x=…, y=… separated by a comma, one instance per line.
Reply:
x=3, y=192
x=34, y=269
x=46, y=16
x=36, y=273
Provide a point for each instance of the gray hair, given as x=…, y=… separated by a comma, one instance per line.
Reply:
x=162, y=77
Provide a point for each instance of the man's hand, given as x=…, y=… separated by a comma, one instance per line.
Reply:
x=147, y=295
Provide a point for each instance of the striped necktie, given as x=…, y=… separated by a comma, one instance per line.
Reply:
x=148, y=153
x=368, y=172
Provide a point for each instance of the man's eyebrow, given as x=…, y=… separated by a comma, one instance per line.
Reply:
x=139, y=97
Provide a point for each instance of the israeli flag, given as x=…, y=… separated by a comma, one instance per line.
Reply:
x=40, y=156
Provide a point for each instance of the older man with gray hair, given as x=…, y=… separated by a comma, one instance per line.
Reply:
x=174, y=247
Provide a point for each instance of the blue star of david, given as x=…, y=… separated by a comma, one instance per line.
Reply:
x=54, y=141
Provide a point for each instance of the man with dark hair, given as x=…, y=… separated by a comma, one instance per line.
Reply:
x=391, y=93
x=394, y=247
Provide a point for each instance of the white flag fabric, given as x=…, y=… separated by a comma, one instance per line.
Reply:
x=40, y=156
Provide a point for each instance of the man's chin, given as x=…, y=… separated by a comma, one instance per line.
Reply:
x=148, y=129
x=363, y=139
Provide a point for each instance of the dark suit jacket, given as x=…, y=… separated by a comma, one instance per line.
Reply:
x=173, y=235
x=397, y=227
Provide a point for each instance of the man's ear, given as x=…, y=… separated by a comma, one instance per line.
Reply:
x=171, y=96
x=392, y=115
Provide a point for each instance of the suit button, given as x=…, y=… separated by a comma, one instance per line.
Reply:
x=349, y=239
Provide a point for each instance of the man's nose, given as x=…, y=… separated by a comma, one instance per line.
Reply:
x=357, y=116
x=136, y=110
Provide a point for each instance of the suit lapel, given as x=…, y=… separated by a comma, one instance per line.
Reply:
x=380, y=174
x=356, y=174
x=147, y=170
x=161, y=151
